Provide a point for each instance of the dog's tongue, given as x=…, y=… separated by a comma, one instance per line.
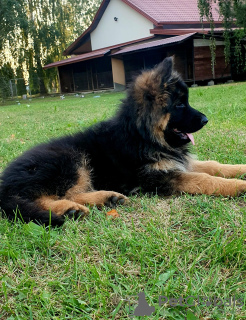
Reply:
x=190, y=136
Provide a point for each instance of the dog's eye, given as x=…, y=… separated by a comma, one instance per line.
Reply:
x=179, y=106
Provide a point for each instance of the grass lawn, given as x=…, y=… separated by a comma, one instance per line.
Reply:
x=174, y=247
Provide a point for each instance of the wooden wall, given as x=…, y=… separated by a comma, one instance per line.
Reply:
x=202, y=64
x=66, y=78
x=90, y=75
x=183, y=61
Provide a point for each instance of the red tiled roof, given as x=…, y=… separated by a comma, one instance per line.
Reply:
x=184, y=31
x=81, y=57
x=155, y=43
x=164, y=11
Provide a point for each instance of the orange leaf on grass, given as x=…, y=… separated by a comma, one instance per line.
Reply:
x=113, y=213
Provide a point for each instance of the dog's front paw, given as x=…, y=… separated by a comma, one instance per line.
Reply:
x=113, y=199
x=77, y=211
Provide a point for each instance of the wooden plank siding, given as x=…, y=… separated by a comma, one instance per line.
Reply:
x=90, y=75
x=146, y=59
x=202, y=64
x=183, y=59
x=66, y=78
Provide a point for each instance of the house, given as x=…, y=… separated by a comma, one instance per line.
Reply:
x=129, y=35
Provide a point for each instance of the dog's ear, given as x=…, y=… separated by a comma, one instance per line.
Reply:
x=165, y=69
x=149, y=84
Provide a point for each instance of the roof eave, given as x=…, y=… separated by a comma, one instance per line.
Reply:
x=92, y=27
x=173, y=32
x=186, y=22
x=72, y=46
x=95, y=54
x=159, y=43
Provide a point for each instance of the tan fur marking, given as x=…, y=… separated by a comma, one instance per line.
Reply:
x=162, y=99
x=98, y=198
x=203, y=183
x=169, y=165
x=82, y=193
x=145, y=83
x=59, y=207
x=215, y=168
x=158, y=130
x=83, y=184
x=162, y=124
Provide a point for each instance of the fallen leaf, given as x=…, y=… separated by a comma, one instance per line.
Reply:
x=113, y=213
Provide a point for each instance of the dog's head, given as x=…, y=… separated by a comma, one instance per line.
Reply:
x=162, y=108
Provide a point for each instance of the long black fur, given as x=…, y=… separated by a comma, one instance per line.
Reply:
x=120, y=152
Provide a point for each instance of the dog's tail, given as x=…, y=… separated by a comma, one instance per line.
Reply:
x=16, y=207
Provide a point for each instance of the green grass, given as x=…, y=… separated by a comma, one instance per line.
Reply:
x=176, y=246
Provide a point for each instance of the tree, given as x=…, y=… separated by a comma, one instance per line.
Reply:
x=21, y=88
x=12, y=16
x=233, y=13
x=36, y=32
x=6, y=74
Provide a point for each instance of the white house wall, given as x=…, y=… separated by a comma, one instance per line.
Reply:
x=130, y=25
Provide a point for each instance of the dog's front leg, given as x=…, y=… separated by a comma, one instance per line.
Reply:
x=215, y=168
x=99, y=198
x=203, y=183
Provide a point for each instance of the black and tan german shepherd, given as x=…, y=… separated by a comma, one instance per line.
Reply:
x=145, y=145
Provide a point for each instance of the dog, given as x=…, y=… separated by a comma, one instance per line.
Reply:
x=145, y=145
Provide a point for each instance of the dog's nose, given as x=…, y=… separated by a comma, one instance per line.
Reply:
x=204, y=120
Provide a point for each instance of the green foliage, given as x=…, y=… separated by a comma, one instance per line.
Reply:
x=12, y=16
x=238, y=51
x=37, y=32
x=21, y=87
x=233, y=13
x=6, y=73
x=240, y=13
x=33, y=81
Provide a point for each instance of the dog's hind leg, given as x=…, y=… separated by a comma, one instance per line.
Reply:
x=203, y=183
x=82, y=192
x=16, y=207
x=214, y=168
x=62, y=207
x=98, y=198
